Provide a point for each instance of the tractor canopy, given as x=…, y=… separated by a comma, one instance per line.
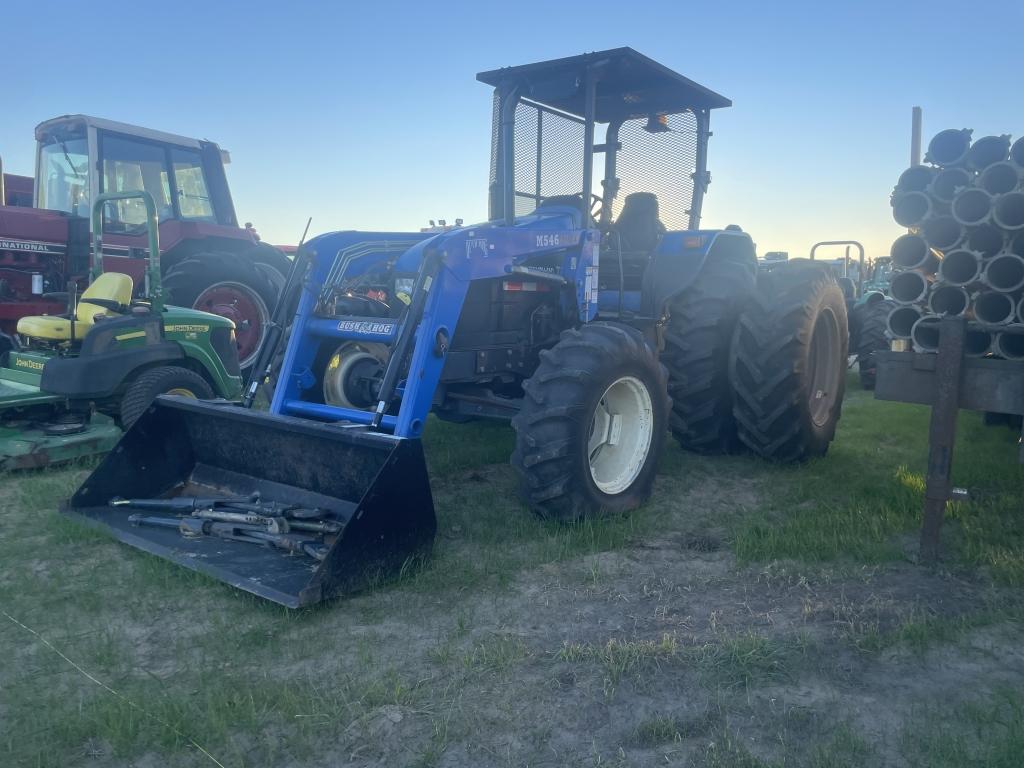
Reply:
x=627, y=85
x=545, y=135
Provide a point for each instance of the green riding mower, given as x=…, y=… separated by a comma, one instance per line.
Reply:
x=70, y=383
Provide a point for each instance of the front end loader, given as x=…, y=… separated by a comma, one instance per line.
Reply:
x=593, y=322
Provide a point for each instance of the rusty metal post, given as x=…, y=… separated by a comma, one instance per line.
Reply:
x=942, y=434
x=915, y=136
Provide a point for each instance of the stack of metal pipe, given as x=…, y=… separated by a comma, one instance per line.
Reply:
x=964, y=250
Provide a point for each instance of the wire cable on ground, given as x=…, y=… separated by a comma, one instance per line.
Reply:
x=111, y=691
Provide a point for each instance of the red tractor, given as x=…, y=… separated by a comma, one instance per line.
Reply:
x=208, y=261
x=15, y=190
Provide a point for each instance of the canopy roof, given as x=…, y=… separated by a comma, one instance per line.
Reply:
x=629, y=85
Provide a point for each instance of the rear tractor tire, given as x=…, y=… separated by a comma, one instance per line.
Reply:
x=697, y=343
x=873, y=337
x=163, y=380
x=788, y=368
x=592, y=425
x=232, y=286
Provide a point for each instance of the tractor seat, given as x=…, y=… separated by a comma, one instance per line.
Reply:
x=638, y=225
x=108, y=287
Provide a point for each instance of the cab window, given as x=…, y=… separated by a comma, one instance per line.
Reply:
x=193, y=195
x=130, y=165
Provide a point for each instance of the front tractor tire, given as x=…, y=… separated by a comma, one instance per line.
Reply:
x=162, y=380
x=231, y=286
x=788, y=368
x=592, y=425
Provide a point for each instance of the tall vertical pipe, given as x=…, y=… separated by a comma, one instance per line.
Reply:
x=915, y=136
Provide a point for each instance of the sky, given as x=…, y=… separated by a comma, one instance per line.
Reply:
x=368, y=115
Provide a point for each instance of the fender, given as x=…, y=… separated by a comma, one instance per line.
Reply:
x=870, y=297
x=680, y=257
x=97, y=376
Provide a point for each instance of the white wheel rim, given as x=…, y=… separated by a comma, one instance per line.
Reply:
x=620, y=435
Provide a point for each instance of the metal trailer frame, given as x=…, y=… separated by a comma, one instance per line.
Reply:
x=948, y=381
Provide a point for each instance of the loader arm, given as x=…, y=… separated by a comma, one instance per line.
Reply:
x=424, y=333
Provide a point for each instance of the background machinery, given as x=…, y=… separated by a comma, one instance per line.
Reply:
x=209, y=262
x=15, y=190
x=867, y=305
x=591, y=311
x=96, y=368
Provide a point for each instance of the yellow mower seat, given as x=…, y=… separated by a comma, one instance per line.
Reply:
x=110, y=286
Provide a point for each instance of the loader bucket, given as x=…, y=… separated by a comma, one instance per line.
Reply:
x=374, y=484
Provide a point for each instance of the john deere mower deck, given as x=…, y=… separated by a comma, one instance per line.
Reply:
x=572, y=315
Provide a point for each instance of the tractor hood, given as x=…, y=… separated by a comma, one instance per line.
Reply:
x=30, y=230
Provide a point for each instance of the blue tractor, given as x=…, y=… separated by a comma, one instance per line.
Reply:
x=591, y=311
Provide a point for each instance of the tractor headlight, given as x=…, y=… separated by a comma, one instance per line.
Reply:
x=403, y=288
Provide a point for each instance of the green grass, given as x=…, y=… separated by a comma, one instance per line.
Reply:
x=862, y=500
x=748, y=658
x=257, y=684
x=619, y=658
x=921, y=630
x=986, y=733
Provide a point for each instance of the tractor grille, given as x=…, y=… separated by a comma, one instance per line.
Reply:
x=224, y=345
x=662, y=163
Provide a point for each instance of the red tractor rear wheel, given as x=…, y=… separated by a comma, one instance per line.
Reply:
x=229, y=285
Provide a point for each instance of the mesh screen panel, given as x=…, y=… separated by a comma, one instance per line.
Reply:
x=548, y=154
x=662, y=163
x=495, y=138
